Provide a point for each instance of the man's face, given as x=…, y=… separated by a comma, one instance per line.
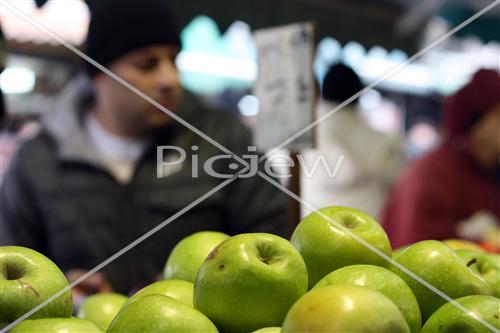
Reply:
x=486, y=136
x=494, y=128
x=151, y=70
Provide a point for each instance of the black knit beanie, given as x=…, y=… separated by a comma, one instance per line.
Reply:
x=340, y=83
x=120, y=26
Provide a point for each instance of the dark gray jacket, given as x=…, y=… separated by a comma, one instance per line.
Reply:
x=58, y=199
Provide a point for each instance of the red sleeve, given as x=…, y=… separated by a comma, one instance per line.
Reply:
x=423, y=205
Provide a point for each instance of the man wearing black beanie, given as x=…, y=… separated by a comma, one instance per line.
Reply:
x=118, y=27
x=139, y=43
x=89, y=184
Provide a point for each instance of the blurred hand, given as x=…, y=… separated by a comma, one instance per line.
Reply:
x=478, y=226
x=96, y=283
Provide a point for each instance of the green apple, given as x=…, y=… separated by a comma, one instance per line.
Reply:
x=344, y=308
x=450, y=319
x=382, y=280
x=250, y=281
x=159, y=313
x=269, y=330
x=177, y=289
x=440, y=266
x=101, y=308
x=56, y=325
x=398, y=251
x=326, y=248
x=28, y=278
x=188, y=255
x=485, y=264
x=462, y=244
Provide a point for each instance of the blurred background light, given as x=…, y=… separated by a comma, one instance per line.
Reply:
x=353, y=53
x=249, y=106
x=372, y=99
x=216, y=65
x=17, y=80
x=69, y=18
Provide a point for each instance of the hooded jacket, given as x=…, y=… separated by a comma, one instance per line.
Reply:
x=448, y=185
x=59, y=199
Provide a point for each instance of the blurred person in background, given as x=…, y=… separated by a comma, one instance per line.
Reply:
x=3, y=56
x=4, y=149
x=12, y=131
x=87, y=185
x=371, y=159
x=454, y=191
x=8, y=139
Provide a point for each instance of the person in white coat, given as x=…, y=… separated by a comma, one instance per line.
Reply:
x=353, y=165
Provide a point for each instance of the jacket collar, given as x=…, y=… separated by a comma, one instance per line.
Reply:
x=65, y=122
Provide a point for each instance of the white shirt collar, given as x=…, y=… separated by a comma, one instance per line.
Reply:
x=110, y=146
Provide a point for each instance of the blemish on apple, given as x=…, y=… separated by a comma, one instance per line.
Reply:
x=212, y=254
x=28, y=286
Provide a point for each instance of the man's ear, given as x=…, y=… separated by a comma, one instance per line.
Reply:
x=98, y=84
x=98, y=79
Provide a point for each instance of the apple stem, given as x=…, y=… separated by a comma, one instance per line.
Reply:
x=265, y=260
x=471, y=262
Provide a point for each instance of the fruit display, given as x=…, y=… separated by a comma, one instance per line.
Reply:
x=460, y=244
x=159, y=313
x=397, y=252
x=177, y=289
x=450, y=319
x=440, y=266
x=56, y=325
x=326, y=248
x=321, y=280
x=485, y=264
x=383, y=281
x=27, y=279
x=258, y=275
x=188, y=255
x=101, y=309
x=344, y=308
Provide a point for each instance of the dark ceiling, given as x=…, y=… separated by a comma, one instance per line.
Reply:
x=388, y=23
x=370, y=22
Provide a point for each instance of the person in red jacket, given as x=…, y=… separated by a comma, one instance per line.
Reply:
x=459, y=179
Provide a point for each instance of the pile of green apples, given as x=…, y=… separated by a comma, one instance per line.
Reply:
x=337, y=273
